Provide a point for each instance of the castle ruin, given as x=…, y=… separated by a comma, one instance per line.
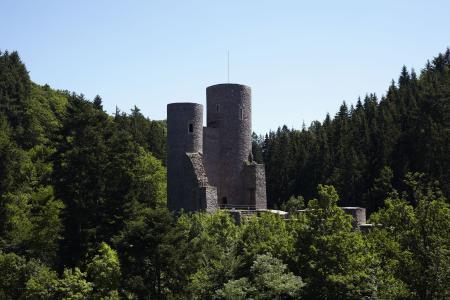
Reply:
x=212, y=167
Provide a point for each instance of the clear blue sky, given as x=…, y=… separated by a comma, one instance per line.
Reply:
x=301, y=58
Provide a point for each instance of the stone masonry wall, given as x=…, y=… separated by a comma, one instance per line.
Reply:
x=184, y=135
x=254, y=187
x=205, y=195
x=229, y=112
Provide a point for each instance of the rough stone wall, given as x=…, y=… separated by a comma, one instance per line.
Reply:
x=205, y=195
x=180, y=176
x=254, y=188
x=211, y=153
x=196, y=160
x=358, y=214
x=208, y=198
x=229, y=112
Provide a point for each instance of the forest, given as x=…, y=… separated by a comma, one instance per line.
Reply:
x=83, y=202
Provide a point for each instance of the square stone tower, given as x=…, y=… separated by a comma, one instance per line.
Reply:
x=211, y=167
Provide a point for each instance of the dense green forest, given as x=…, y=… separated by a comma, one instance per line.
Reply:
x=83, y=202
x=367, y=149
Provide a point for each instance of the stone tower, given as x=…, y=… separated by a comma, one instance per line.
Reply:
x=228, y=139
x=210, y=167
x=187, y=184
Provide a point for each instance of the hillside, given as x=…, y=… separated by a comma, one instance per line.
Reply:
x=83, y=202
x=367, y=149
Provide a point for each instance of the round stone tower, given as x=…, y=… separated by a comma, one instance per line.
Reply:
x=229, y=143
x=184, y=135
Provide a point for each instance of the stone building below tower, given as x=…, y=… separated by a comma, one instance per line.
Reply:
x=212, y=167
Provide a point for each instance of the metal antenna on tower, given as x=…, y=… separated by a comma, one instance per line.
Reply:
x=228, y=65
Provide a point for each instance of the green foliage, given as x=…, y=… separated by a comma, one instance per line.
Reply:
x=238, y=289
x=74, y=180
x=19, y=227
x=103, y=177
x=382, y=187
x=385, y=258
x=33, y=225
x=149, y=180
x=148, y=249
x=257, y=151
x=42, y=282
x=73, y=286
x=151, y=135
x=293, y=204
x=104, y=272
x=269, y=279
x=43, y=116
x=14, y=89
x=21, y=279
x=422, y=234
x=366, y=150
x=16, y=172
x=267, y=233
x=212, y=243
x=331, y=257
x=12, y=275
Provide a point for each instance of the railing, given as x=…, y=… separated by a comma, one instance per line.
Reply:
x=237, y=207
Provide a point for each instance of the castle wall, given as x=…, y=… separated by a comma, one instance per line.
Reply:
x=208, y=198
x=254, y=187
x=211, y=153
x=229, y=113
x=184, y=135
x=204, y=196
x=358, y=214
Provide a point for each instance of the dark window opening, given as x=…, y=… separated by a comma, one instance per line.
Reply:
x=242, y=114
x=224, y=201
x=191, y=127
x=217, y=107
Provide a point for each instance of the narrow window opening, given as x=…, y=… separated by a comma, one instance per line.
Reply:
x=191, y=127
x=241, y=114
x=217, y=107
